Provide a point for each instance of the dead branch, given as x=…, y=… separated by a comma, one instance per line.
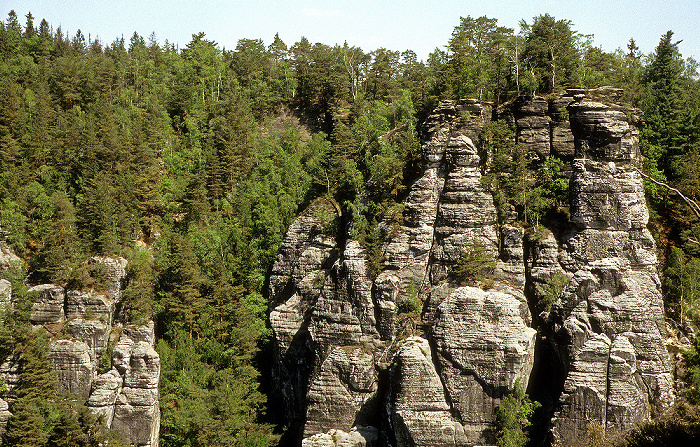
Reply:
x=691, y=203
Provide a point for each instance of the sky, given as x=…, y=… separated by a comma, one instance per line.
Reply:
x=420, y=26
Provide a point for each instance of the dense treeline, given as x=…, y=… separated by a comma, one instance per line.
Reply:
x=177, y=159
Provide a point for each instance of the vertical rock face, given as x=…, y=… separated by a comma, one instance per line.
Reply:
x=5, y=295
x=608, y=323
x=354, y=363
x=299, y=273
x=136, y=409
x=74, y=366
x=542, y=124
x=48, y=310
x=4, y=416
x=8, y=258
x=420, y=413
x=339, y=395
x=484, y=346
x=89, y=333
x=341, y=356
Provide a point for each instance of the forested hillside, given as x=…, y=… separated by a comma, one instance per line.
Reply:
x=192, y=162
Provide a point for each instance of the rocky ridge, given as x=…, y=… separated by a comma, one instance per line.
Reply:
x=354, y=364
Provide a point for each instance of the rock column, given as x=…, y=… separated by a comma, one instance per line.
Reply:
x=608, y=323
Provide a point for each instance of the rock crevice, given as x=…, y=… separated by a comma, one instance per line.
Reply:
x=352, y=356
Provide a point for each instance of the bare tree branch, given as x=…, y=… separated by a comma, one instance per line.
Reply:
x=691, y=203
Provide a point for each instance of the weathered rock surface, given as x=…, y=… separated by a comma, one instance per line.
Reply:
x=357, y=437
x=74, y=365
x=48, y=310
x=351, y=352
x=93, y=332
x=5, y=294
x=89, y=305
x=420, y=414
x=137, y=410
x=9, y=374
x=339, y=394
x=484, y=346
x=8, y=258
x=116, y=272
x=608, y=323
x=542, y=124
x=337, y=328
x=447, y=206
x=4, y=416
x=127, y=395
x=105, y=389
x=298, y=274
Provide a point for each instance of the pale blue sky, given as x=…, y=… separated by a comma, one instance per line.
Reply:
x=398, y=25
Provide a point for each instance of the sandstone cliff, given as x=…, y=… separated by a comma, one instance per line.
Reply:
x=88, y=335
x=608, y=324
x=354, y=366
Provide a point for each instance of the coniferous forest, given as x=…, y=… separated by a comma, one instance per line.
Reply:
x=192, y=162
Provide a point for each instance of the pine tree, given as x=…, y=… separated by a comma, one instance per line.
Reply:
x=550, y=53
x=663, y=140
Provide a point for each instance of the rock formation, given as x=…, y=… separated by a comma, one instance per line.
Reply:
x=340, y=348
x=8, y=258
x=608, y=324
x=89, y=336
x=355, y=365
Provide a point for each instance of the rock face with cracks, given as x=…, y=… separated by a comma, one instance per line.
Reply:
x=608, y=324
x=88, y=335
x=342, y=359
x=357, y=363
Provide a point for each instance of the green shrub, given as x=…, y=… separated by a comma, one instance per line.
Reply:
x=549, y=292
x=513, y=417
x=475, y=265
x=412, y=305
